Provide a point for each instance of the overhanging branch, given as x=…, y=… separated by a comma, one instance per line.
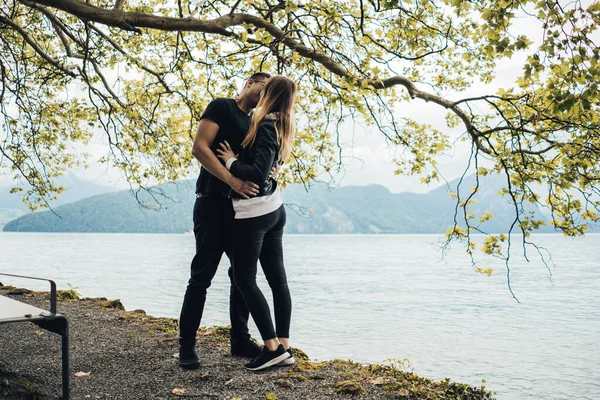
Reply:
x=35, y=46
x=132, y=21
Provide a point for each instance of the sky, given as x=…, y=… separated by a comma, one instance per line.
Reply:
x=367, y=158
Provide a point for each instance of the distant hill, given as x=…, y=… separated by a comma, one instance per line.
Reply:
x=8, y=214
x=374, y=209
x=170, y=211
x=351, y=209
x=12, y=206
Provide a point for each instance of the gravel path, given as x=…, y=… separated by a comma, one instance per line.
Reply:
x=130, y=356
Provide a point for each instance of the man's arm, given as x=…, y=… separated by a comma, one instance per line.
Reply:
x=205, y=135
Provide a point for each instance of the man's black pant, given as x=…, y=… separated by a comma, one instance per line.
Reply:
x=213, y=219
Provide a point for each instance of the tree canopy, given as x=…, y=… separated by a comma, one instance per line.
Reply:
x=143, y=70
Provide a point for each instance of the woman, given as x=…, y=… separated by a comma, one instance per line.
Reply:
x=259, y=221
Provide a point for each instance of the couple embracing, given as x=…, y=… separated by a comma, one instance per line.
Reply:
x=238, y=211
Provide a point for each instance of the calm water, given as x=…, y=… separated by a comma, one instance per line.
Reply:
x=371, y=298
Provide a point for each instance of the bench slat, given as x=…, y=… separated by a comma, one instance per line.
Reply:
x=11, y=309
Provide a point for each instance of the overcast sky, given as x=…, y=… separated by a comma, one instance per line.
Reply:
x=367, y=158
x=376, y=165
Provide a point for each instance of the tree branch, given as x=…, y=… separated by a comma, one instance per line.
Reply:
x=119, y=5
x=234, y=7
x=58, y=26
x=132, y=21
x=136, y=61
x=35, y=46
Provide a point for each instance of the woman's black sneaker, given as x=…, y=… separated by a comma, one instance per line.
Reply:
x=288, y=361
x=267, y=358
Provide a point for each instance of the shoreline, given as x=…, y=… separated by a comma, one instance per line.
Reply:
x=440, y=234
x=131, y=355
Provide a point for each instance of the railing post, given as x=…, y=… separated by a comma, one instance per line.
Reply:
x=65, y=360
x=52, y=297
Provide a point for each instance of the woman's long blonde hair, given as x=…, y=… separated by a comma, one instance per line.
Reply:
x=277, y=99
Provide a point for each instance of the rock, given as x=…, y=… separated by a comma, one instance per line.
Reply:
x=67, y=294
x=286, y=383
x=350, y=387
x=203, y=376
x=20, y=291
x=139, y=311
x=377, y=381
x=94, y=299
x=116, y=303
x=299, y=354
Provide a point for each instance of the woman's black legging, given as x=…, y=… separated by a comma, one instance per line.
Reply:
x=261, y=238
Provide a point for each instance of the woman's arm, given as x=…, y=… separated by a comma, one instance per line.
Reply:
x=265, y=150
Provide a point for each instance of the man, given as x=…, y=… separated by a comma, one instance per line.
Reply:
x=223, y=120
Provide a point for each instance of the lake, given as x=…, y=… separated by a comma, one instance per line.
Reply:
x=371, y=298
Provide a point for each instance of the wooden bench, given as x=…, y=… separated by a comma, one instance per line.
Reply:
x=12, y=311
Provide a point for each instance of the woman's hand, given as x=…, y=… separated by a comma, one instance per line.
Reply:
x=225, y=152
x=274, y=172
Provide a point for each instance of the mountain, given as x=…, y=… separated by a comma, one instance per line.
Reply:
x=12, y=206
x=8, y=214
x=75, y=189
x=374, y=209
x=166, y=209
x=320, y=209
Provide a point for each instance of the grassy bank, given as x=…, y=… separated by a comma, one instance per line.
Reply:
x=119, y=354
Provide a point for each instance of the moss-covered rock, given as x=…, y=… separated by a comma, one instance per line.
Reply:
x=70, y=294
x=308, y=366
x=217, y=332
x=350, y=387
x=299, y=354
x=18, y=291
x=116, y=303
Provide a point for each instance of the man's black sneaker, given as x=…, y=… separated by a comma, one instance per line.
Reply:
x=267, y=358
x=247, y=349
x=290, y=360
x=188, y=358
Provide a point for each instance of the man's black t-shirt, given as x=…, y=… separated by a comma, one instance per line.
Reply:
x=233, y=126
